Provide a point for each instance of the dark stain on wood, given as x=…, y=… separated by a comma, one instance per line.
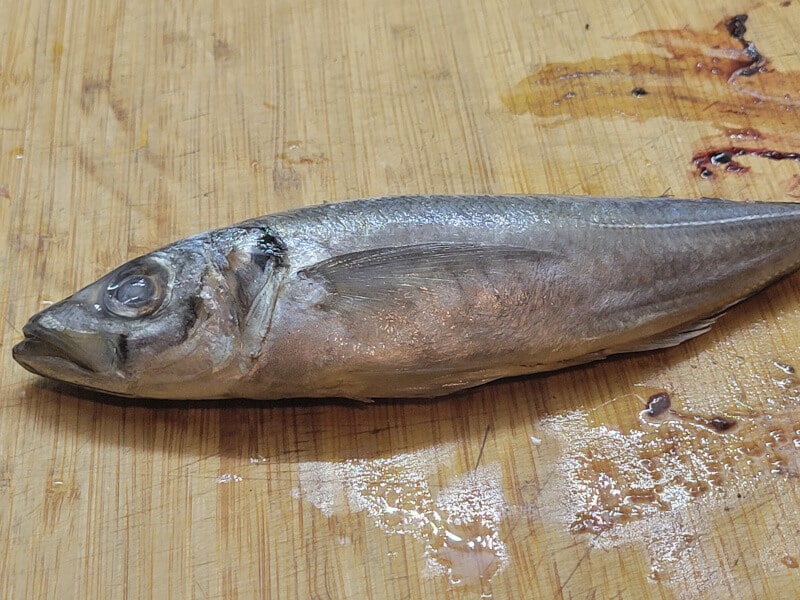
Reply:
x=95, y=90
x=223, y=51
x=688, y=75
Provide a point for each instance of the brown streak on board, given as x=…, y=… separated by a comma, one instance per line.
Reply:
x=92, y=89
x=722, y=158
x=720, y=154
x=88, y=166
x=700, y=76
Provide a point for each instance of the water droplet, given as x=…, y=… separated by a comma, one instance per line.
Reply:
x=786, y=368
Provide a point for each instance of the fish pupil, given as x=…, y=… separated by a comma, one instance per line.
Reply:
x=135, y=292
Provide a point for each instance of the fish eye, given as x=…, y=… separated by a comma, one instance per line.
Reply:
x=136, y=293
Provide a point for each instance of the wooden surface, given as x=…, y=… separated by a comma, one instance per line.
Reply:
x=128, y=125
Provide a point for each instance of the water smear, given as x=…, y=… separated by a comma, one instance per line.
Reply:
x=459, y=528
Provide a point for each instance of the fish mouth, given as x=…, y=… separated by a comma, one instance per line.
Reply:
x=41, y=349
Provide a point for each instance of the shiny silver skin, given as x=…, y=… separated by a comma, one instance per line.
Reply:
x=414, y=296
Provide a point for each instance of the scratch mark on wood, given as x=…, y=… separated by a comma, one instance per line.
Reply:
x=483, y=445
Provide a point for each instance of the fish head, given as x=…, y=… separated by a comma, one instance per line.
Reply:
x=164, y=325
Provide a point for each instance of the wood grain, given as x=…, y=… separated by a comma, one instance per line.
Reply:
x=128, y=125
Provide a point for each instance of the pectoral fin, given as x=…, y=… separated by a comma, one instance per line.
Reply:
x=395, y=274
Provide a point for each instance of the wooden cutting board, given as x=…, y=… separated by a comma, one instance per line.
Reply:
x=128, y=125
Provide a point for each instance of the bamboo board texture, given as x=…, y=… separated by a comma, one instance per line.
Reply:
x=126, y=125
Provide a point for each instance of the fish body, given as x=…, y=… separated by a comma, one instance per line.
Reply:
x=415, y=296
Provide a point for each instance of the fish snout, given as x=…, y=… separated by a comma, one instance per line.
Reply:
x=51, y=346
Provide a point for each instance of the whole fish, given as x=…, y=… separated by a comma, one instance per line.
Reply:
x=415, y=296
